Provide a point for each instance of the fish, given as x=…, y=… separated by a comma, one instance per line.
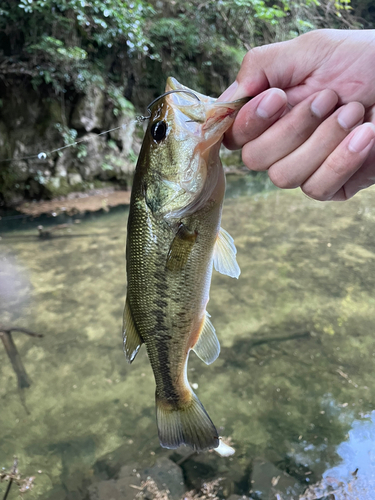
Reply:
x=174, y=240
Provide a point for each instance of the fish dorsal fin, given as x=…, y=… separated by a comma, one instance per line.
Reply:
x=132, y=339
x=180, y=248
x=225, y=255
x=207, y=347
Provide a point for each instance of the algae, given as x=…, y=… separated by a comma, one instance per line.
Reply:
x=296, y=332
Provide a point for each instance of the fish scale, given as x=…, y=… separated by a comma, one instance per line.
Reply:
x=173, y=240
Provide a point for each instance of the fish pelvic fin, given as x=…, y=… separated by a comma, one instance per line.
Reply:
x=188, y=424
x=225, y=255
x=132, y=339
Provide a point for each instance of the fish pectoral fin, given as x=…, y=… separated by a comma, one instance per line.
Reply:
x=207, y=347
x=180, y=248
x=225, y=255
x=132, y=339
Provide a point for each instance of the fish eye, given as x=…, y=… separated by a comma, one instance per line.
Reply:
x=159, y=130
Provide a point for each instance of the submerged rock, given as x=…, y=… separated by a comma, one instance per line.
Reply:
x=168, y=477
x=165, y=478
x=270, y=483
x=125, y=487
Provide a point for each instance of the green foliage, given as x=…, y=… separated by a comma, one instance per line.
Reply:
x=72, y=43
x=69, y=135
x=57, y=51
x=126, y=47
x=103, y=22
x=183, y=39
x=121, y=105
x=262, y=10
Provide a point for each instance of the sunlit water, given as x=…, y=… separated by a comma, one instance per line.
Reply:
x=294, y=383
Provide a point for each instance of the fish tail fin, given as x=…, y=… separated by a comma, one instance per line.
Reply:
x=187, y=424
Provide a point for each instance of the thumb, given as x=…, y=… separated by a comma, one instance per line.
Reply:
x=280, y=65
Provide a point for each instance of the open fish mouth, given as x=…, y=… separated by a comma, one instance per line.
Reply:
x=197, y=113
x=194, y=125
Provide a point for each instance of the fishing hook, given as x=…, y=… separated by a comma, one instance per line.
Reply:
x=143, y=118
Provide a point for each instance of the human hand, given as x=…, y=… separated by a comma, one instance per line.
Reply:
x=319, y=131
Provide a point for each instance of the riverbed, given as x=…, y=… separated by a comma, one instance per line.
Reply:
x=294, y=376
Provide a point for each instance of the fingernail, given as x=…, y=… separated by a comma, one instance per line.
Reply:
x=362, y=138
x=350, y=115
x=271, y=103
x=227, y=94
x=323, y=103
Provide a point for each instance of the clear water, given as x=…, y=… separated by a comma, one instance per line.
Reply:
x=293, y=384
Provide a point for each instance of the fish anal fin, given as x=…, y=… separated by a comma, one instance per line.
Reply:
x=188, y=424
x=132, y=339
x=207, y=347
x=180, y=248
x=225, y=255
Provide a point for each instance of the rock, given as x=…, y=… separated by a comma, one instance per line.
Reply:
x=55, y=182
x=20, y=168
x=124, y=135
x=124, y=488
x=88, y=113
x=91, y=165
x=74, y=179
x=31, y=125
x=167, y=476
x=105, y=490
x=4, y=142
x=56, y=493
x=200, y=468
x=267, y=481
x=129, y=481
x=61, y=167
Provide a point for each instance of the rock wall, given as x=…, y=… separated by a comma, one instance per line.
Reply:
x=40, y=123
x=32, y=122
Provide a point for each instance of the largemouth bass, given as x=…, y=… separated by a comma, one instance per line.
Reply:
x=174, y=239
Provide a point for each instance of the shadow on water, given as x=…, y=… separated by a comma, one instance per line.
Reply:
x=292, y=388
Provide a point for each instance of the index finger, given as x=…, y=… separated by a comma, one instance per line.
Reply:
x=256, y=117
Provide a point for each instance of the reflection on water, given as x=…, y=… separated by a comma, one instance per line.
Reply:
x=354, y=477
x=294, y=376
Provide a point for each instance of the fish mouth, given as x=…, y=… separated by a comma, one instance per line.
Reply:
x=197, y=124
x=213, y=117
x=200, y=121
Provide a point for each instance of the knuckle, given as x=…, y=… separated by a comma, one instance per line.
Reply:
x=251, y=162
x=300, y=125
x=315, y=193
x=280, y=178
x=337, y=163
x=253, y=55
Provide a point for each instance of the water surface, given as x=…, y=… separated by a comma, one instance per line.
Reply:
x=295, y=374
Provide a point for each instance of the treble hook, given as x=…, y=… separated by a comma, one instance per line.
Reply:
x=190, y=92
